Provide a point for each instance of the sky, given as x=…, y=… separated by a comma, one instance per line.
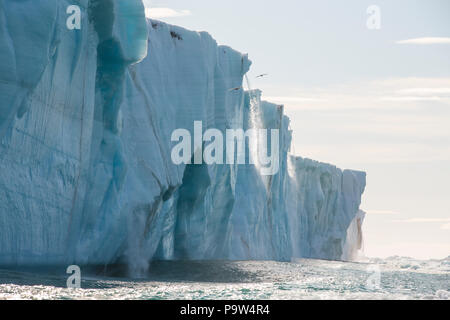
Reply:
x=366, y=90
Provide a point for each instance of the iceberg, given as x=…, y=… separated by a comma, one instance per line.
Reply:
x=86, y=176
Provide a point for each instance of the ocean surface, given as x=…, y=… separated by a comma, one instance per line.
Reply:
x=391, y=278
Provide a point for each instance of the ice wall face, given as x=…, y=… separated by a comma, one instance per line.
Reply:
x=47, y=84
x=328, y=201
x=121, y=33
x=186, y=77
x=26, y=50
x=86, y=175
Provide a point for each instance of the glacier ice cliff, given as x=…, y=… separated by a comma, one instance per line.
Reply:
x=86, y=175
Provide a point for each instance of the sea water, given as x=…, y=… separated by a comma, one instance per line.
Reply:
x=395, y=278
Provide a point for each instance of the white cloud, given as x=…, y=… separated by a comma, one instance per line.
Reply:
x=418, y=250
x=426, y=41
x=445, y=226
x=381, y=212
x=385, y=121
x=425, y=220
x=412, y=98
x=379, y=94
x=158, y=13
x=416, y=90
x=287, y=99
x=409, y=82
x=425, y=91
x=355, y=154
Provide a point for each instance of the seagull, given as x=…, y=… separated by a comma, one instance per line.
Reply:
x=262, y=75
x=235, y=89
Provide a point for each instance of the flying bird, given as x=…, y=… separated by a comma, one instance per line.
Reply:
x=235, y=89
x=262, y=75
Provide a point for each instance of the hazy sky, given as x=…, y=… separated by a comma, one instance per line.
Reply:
x=374, y=100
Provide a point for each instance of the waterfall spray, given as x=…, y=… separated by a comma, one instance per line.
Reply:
x=254, y=122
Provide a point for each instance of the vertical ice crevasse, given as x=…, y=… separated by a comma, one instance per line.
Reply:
x=122, y=34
